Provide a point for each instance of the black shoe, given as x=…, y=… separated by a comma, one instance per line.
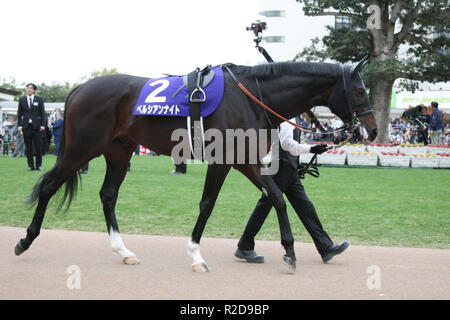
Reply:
x=335, y=249
x=176, y=172
x=30, y=168
x=249, y=256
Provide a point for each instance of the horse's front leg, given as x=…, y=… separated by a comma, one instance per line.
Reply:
x=270, y=189
x=215, y=176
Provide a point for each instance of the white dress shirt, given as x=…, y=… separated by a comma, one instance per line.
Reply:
x=287, y=142
x=28, y=100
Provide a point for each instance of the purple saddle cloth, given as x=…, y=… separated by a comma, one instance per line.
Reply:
x=168, y=96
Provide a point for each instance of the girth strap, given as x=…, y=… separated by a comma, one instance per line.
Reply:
x=195, y=121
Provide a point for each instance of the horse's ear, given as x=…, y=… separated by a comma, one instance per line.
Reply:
x=359, y=66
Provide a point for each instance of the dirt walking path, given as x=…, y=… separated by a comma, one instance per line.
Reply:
x=165, y=273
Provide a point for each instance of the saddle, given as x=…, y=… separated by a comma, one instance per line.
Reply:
x=194, y=96
x=206, y=77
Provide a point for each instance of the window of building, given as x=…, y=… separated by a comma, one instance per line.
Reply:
x=273, y=13
x=274, y=39
x=341, y=22
x=444, y=50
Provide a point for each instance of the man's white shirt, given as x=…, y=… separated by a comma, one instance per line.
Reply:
x=287, y=142
x=28, y=100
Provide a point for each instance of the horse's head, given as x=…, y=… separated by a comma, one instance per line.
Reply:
x=349, y=101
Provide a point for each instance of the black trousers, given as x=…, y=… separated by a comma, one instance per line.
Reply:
x=288, y=182
x=33, y=137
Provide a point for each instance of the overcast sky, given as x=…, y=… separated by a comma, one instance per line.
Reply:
x=56, y=41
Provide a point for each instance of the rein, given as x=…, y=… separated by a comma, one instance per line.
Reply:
x=279, y=116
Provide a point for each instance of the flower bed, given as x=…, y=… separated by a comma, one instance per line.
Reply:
x=413, y=148
x=394, y=159
x=436, y=148
x=332, y=157
x=424, y=161
x=353, y=147
x=444, y=159
x=320, y=142
x=362, y=158
x=382, y=147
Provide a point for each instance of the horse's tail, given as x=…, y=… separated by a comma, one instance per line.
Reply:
x=71, y=183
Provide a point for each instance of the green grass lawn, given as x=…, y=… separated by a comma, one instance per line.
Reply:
x=389, y=207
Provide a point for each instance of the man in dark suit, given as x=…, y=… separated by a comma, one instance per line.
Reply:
x=31, y=121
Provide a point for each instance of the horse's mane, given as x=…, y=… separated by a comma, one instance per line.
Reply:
x=288, y=68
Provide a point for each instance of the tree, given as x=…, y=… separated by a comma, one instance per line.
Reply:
x=55, y=92
x=384, y=29
x=99, y=73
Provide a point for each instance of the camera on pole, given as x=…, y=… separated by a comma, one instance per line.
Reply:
x=257, y=27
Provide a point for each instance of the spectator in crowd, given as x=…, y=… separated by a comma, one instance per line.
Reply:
x=1, y=140
x=31, y=120
x=20, y=147
x=7, y=124
x=57, y=130
x=436, y=125
x=447, y=138
x=6, y=142
x=52, y=117
x=401, y=131
x=46, y=139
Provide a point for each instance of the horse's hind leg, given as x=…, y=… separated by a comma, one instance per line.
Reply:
x=117, y=159
x=52, y=180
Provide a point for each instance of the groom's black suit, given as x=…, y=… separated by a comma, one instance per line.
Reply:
x=31, y=118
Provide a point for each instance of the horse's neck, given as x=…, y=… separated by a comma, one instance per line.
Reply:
x=297, y=94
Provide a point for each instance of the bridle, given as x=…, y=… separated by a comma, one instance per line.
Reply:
x=351, y=126
x=350, y=103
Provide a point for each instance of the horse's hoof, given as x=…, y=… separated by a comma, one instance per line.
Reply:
x=290, y=262
x=201, y=267
x=131, y=260
x=18, y=249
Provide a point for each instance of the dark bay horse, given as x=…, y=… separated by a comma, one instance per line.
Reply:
x=99, y=120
